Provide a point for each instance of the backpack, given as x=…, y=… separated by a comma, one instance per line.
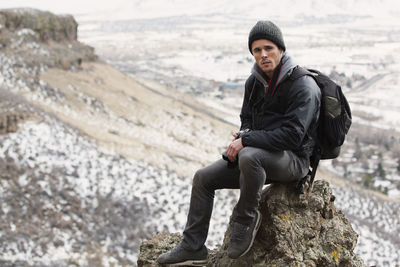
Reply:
x=334, y=121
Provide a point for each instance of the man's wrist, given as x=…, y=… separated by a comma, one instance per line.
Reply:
x=244, y=137
x=242, y=132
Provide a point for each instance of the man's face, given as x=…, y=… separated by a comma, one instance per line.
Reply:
x=267, y=55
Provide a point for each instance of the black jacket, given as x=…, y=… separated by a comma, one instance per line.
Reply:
x=280, y=118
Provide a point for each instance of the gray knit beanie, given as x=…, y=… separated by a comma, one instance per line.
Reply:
x=265, y=29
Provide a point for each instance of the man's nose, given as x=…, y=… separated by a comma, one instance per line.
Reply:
x=264, y=53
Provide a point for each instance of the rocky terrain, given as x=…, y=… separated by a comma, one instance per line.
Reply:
x=93, y=160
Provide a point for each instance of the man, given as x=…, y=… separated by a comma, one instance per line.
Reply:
x=275, y=144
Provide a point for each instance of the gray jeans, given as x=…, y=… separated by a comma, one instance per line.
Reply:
x=255, y=167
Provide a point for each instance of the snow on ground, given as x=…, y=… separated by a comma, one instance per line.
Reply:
x=54, y=151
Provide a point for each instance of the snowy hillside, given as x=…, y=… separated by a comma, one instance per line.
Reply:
x=93, y=206
x=376, y=220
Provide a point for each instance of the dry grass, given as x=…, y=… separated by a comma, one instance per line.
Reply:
x=149, y=123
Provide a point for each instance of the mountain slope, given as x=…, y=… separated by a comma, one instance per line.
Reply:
x=129, y=118
x=92, y=204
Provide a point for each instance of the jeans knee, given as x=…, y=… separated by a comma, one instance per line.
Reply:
x=202, y=184
x=199, y=178
x=247, y=158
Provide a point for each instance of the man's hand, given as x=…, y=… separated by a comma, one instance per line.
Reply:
x=233, y=149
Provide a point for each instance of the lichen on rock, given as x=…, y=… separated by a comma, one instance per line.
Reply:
x=160, y=243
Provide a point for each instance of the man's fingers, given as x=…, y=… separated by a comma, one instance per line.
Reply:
x=231, y=152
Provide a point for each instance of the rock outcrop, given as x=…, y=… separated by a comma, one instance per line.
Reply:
x=297, y=230
x=47, y=25
x=42, y=38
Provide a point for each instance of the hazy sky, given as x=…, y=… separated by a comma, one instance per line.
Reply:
x=68, y=6
x=123, y=9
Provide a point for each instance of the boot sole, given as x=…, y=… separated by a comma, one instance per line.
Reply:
x=258, y=224
x=190, y=263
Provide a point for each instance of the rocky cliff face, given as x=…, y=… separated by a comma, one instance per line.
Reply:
x=47, y=25
x=296, y=230
x=39, y=38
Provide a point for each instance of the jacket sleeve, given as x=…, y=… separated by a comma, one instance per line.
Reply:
x=245, y=113
x=303, y=105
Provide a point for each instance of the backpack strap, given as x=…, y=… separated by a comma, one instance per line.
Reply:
x=301, y=184
x=296, y=73
x=314, y=163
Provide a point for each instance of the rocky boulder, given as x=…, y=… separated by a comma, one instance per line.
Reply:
x=296, y=230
